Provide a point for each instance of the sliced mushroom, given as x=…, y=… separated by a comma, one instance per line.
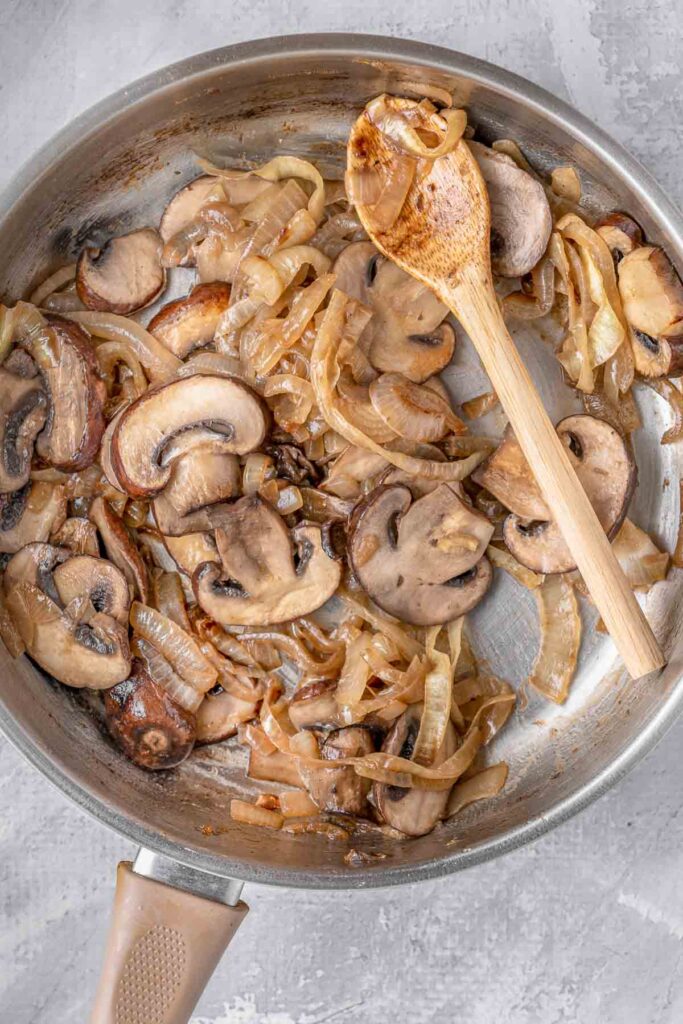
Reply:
x=23, y=410
x=340, y=789
x=120, y=548
x=185, y=205
x=607, y=471
x=191, y=551
x=200, y=478
x=31, y=514
x=93, y=654
x=96, y=578
x=220, y=408
x=507, y=475
x=191, y=322
x=292, y=464
x=266, y=575
x=405, y=334
x=20, y=364
x=652, y=296
x=149, y=727
x=621, y=234
x=34, y=564
x=521, y=221
x=313, y=706
x=66, y=361
x=124, y=275
x=219, y=714
x=79, y=535
x=421, y=561
x=413, y=811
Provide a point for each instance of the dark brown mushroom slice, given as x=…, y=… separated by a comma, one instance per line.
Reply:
x=521, y=221
x=267, y=574
x=412, y=811
x=224, y=410
x=94, y=653
x=200, y=479
x=32, y=514
x=219, y=715
x=291, y=464
x=421, y=561
x=507, y=475
x=652, y=296
x=79, y=535
x=66, y=361
x=34, y=563
x=23, y=411
x=96, y=578
x=146, y=724
x=189, y=323
x=20, y=364
x=621, y=234
x=605, y=466
x=124, y=275
x=340, y=790
x=314, y=706
x=120, y=547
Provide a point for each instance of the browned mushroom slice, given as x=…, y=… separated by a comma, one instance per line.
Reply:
x=507, y=475
x=220, y=407
x=291, y=464
x=34, y=564
x=124, y=275
x=418, y=357
x=313, y=706
x=23, y=409
x=421, y=561
x=149, y=727
x=120, y=548
x=621, y=234
x=190, y=551
x=340, y=789
x=66, y=361
x=185, y=205
x=31, y=514
x=79, y=535
x=93, y=653
x=20, y=364
x=96, y=578
x=189, y=323
x=607, y=471
x=652, y=296
x=266, y=575
x=412, y=811
x=521, y=221
x=219, y=715
x=200, y=478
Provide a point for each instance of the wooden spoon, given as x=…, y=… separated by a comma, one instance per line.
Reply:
x=441, y=237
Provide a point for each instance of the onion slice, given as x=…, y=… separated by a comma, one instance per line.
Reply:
x=177, y=646
x=413, y=411
x=667, y=390
x=438, y=686
x=155, y=357
x=560, y=625
x=639, y=557
x=482, y=786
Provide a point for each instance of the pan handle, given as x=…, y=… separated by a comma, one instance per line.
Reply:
x=169, y=929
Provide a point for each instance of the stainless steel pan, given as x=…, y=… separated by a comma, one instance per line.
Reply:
x=114, y=168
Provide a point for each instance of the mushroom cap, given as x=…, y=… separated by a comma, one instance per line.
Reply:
x=67, y=364
x=119, y=546
x=190, y=322
x=100, y=580
x=266, y=575
x=521, y=220
x=340, y=789
x=124, y=275
x=412, y=811
x=33, y=513
x=220, y=408
x=200, y=478
x=607, y=471
x=422, y=560
x=148, y=726
x=23, y=410
x=93, y=654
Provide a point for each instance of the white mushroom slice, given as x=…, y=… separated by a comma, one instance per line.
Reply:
x=31, y=514
x=99, y=580
x=652, y=296
x=79, y=535
x=93, y=654
x=120, y=547
x=266, y=575
x=200, y=478
x=190, y=551
x=124, y=275
x=34, y=564
x=340, y=789
x=185, y=205
x=521, y=221
x=23, y=410
x=507, y=475
x=421, y=561
x=219, y=715
x=191, y=322
x=621, y=234
x=226, y=409
x=66, y=361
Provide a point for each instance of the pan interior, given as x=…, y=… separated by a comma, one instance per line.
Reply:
x=118, y=173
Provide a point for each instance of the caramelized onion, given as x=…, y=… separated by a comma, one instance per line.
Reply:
x=560, y=625
x=177, y=646
x=482, y=786
x=159, y=363
x=413, y=411
x=667, y=390
x=639, y=557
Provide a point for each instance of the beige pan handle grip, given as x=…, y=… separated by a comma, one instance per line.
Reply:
x=162, y=949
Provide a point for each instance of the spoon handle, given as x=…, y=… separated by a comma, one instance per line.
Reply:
x=473, y=301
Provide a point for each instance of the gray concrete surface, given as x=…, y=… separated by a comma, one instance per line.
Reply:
x=587, y=925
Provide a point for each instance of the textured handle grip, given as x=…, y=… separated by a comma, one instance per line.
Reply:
x=162, y=949
x=474, y=303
